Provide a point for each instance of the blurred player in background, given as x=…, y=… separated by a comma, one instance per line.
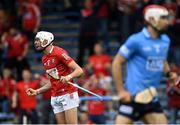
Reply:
x=16, y=48
x=7, y=86
x=145, y=53
x=100, y=64
x=96, y=108
x=64, y=97
x=25, y=103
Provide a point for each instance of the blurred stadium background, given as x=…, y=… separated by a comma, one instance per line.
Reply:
x=78, y=25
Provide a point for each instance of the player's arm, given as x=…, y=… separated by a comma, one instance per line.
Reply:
x=3, y=42
x=117, y=65
x=77, y=72
x=125, y=52
x=33, y=92
x=166, y=67
x=169, y=74
x=25, y=50
x=14, y=99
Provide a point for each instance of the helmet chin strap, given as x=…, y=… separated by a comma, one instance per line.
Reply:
x=44, y=47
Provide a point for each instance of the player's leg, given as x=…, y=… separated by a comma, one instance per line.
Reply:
x=60, y=118
x=72, y=102
x=154, y=114
x=71, y=116
x=127, y=113
x=155, y=118
x=58, y=109
x=33, y=116
x=22, y=113
x=120, y=119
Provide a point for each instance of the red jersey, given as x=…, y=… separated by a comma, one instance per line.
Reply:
x=97, y=107
x=1, y=88
x=37, y=2
x=25, y=101
x=98, y=63
x=7, y=87
x=103, y=10
x=174, y=91
x=16, y=45
x=174, y=95
x=58, y=59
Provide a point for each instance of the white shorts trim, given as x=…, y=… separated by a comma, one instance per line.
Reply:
x=64, y=102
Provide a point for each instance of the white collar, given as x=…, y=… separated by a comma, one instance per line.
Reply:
x=51, y=49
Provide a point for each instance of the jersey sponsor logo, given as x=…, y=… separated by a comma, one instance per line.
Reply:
x=52, y=72
x=155, y=64
x=124, y=50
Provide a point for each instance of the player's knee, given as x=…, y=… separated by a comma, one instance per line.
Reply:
x=162, y=120
x=156, y=119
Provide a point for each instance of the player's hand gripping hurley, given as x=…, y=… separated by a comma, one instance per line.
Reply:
x=53, y=73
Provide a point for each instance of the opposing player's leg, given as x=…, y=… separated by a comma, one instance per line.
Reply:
x=155, y=118
x=71, y=116
x=60, y=118
x=127, y=113
x=120, y=119
x=154, y=114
